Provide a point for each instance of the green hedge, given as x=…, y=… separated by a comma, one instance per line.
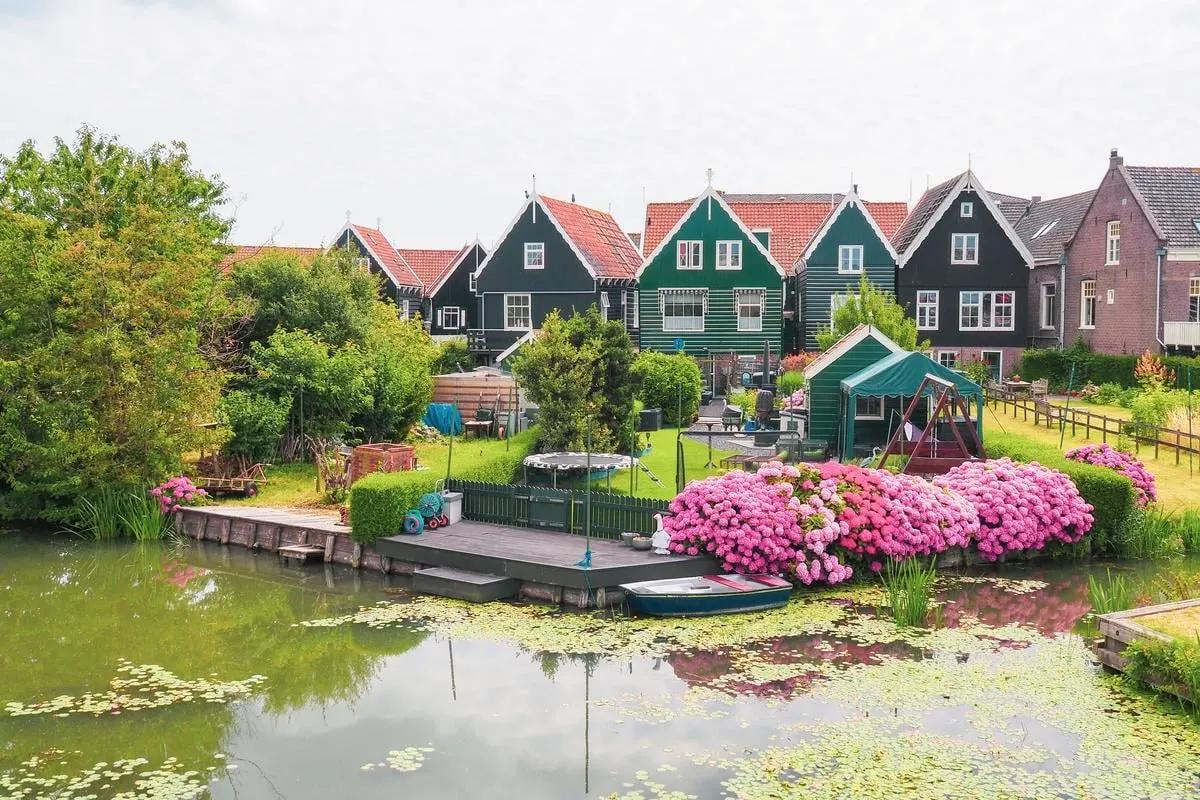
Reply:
x=1111, y=494
x=379, y=502
x=1055, y=365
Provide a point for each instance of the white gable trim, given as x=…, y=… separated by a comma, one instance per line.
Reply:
x=715, y=195
x=349, y=228
x=844, y=345
x=851, y=198
x=508, y=231
x=468, y=250
x=968, y=182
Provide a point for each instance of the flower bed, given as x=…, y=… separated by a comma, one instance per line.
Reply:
x=176, y=492
x=1104, y=455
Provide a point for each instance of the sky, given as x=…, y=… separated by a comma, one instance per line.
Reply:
x=432, y=117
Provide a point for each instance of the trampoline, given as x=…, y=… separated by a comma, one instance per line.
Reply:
x=577, y=463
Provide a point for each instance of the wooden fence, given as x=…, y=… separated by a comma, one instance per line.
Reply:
x=1094, y=425
x=557, y=509
x=470, y=390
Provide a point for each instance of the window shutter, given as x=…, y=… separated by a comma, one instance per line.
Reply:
x=439, y=317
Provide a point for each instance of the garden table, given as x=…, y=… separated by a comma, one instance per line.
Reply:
x=710, y=423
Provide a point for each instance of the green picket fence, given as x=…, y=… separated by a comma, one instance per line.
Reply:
x=557, y=509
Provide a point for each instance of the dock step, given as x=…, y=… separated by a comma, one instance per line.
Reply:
x=301, y=552
x=474, y=587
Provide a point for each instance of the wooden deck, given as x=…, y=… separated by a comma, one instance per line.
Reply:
x=538, y=556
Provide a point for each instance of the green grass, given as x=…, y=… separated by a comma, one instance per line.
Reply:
x=1111, y=593
x=661, y=461
x=1116, y=412
x=909, y=588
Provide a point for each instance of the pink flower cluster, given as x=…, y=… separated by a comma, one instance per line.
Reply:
x=1104, y=455
x=795, y=401
x=1020, y=506
x=753, y=526
x=176, y=492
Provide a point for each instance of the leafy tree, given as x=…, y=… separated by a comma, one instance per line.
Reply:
x=453, y=355
x=875, y=307
x=256, y=424
x=666, y=380
x=400, y=356
x=112, y=311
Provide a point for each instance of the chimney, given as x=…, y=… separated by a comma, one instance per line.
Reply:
x=1114, y=160
x=1037, y=198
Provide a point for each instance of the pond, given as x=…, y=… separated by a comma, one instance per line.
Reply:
x=205, y=671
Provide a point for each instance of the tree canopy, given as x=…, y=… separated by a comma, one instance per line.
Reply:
x=878, y=308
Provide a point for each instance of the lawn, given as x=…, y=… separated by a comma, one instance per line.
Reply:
x=1181, y=624
x=1178, y=487
x=1116, y=412
x=661, y=461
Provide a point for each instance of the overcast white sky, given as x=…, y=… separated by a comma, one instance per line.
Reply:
x=433, y=115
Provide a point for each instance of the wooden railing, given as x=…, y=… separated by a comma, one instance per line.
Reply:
x=557, y=509
x=1093, y=425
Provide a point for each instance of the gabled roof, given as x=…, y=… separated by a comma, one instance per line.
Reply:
x=245, y=252
x=710, y=195
x=1048, y=224
x=378, y=246
x=852, y=200
x=792, y=219
x=432, y=289
x=902, y=374
x=1171, y=196
x=429, y=265
x=844, y=345
x=605, y=250
x=636, y=238
x=937, y=201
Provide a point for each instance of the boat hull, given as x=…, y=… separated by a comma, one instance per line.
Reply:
x=692, y=605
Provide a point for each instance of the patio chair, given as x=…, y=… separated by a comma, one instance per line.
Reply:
x=1040, y=389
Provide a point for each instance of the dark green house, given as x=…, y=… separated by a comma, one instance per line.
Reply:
x=710, y=285
x=849, y=246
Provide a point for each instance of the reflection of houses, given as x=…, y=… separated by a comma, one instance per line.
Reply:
x=859, y=388
x=554, y=256
x=964, y=273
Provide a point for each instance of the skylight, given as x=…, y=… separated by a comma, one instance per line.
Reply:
x=1045, y=229
x=1196, y=222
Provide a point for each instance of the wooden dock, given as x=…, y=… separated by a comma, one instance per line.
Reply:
x=469, y=560
x=1122, y=628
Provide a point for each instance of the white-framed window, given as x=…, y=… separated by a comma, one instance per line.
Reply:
x=948, y=358
x=451, y=317
x=518, y=312
x=535, y=255
x=1087, y=304
x=1194, y=299
x=836, y=301
x=682, y=310
x=966, y=209
x=1049, y=306
x=850, y=259
x=994, y=359
x=964, y=248
x=749, y=308
x=729, y=255
x=868, y=408
x=689, y=255
x=637, y=309
x=362, y=262
x=472, y=284
x=402, y=307
x=927, y=309
x=1112, y=249
x=605, y=304
x=1110, y=296
x=985, y=311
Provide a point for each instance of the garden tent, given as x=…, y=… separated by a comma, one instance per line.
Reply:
x=901, y=374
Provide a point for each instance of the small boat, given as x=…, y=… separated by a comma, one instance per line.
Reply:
x=708, y=594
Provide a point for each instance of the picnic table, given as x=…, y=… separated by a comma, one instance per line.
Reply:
x=710, y=423
x=1018, y=387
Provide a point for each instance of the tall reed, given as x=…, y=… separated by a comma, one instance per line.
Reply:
x=142, y=517
x=1189, y=530
x=1153, y=534
x=1112, y=593
x=909, y=586
x=98, y=517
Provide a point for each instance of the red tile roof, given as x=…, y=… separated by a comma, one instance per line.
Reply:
x=243, y=252
x=792, y=223
x=395, y=266
x=430, y=265
x=598, y=237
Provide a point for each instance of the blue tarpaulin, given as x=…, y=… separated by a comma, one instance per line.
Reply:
x=444, y=417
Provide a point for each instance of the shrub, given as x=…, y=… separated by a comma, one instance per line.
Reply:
x=1020, y=506
x=452, y=355
x=795, y=363
x=1153, y=407
x=743, y=399
x=789, y=382
x=176, y=492
x=1104, y=455
x=1110, y=494
x=1108, y=393
x=795, y=401
x=662, y=377
x=256, y=424
x=1175, y=663
x=1099, y=368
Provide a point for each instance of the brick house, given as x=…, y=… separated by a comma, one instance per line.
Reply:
x=1044, y=228
x=1133, y=265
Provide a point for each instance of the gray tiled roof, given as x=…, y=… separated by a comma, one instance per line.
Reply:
x=1173, y=195
x=1060, y=216
x=921, y=212
x=1011, y=206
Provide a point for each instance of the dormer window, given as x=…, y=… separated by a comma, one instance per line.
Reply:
x=1113, y=245
x=966, y=209
x=964, y=248
x=850, y=259
x=689, y=255
x=535, y=255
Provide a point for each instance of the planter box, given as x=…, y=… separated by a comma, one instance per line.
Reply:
x=382, y=457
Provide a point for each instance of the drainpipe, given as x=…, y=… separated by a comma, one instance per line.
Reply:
x=1161, y=253
x=1062, y=301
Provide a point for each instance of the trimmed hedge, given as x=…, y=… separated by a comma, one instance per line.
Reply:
x=1055, y=365
x=379, y=502
x=1111, y=494
x=669, y=382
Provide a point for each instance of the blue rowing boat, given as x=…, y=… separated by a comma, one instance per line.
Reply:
x=706, y=595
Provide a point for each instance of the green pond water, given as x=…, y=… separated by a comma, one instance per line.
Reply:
x=203, y=671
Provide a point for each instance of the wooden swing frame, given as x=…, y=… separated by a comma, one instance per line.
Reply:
x=949, y=403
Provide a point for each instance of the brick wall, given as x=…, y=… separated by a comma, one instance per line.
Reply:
x=1127, y=325
x=1039, y=336
x=1176, y=276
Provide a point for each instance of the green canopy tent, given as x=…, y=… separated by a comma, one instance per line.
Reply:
x=902, y=374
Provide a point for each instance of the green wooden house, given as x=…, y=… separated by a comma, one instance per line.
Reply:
x=710, y=286
x=849, y=246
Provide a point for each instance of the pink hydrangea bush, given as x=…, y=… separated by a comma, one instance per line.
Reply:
x=795, y=401
x=751, y=525
x=178, y=491
x=1104, y=455
x=1020, y=506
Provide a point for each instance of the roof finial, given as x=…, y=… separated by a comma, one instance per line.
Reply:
x=534, y=196
x=347, y=216
x=708, y=191
x=968, y=161
x=379, y=223
x=708, y=173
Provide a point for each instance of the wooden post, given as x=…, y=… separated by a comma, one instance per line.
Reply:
x=330, y=539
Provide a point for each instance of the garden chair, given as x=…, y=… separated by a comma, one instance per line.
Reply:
x=1040, y=389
